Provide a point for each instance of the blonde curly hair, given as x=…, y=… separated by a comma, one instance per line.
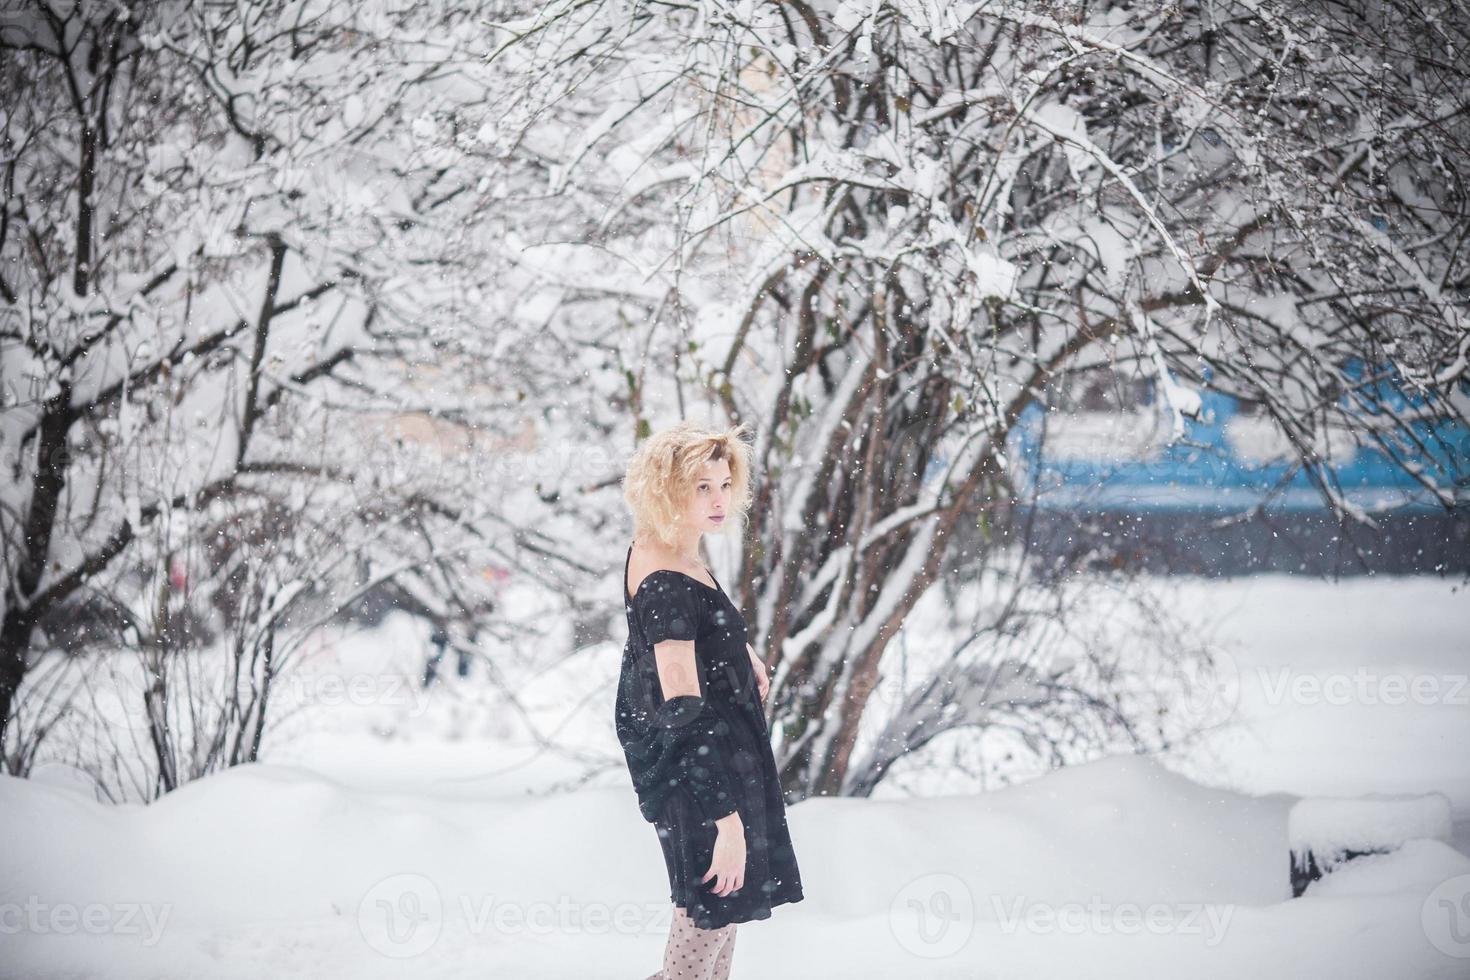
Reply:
x=663, y=472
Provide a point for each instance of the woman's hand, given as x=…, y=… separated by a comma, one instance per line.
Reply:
x=761, y=680
x=727, y=866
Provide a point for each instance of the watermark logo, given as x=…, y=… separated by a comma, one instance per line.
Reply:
x=121, y=710
x=401, y=916
x=1207, y=689
x=1445, y=917
x=933, y=916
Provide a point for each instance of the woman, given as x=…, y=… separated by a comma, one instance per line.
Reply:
x=690, y=712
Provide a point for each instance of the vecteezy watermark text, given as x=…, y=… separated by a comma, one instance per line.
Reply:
x=361, y=689
x=403, y=916
x=1099, y=917
x=38, y=917
x=1365, y=686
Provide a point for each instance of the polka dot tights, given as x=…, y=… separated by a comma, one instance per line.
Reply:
x=697, y=954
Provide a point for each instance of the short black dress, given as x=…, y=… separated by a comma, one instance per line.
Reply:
x=694, y=760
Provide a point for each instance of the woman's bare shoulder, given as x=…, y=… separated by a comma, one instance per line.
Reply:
x=648, y=559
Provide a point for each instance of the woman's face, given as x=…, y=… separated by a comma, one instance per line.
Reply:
x=709, y=502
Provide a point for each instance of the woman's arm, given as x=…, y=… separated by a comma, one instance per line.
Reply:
x=678, y=676
x=762, y=681
x=678, y=671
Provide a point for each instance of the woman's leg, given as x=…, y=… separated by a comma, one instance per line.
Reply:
x=693, y=953
x=727, y=953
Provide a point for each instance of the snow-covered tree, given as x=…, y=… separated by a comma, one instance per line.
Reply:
x=245, y=249
x=880, y=230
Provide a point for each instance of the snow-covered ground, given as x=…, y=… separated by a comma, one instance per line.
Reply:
x=1339, y=689
x=351, y=854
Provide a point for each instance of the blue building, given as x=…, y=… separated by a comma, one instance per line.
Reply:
x=1224, y=492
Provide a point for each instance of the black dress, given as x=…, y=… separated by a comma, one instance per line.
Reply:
x=696, y=759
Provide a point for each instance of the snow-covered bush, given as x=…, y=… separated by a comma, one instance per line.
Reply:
x=881, y=229
x=247, y=269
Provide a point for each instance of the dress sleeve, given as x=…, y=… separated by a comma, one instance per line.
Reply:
x=667, y=610
x=681, y=743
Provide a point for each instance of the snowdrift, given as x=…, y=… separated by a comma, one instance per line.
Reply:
x=1101, y=870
